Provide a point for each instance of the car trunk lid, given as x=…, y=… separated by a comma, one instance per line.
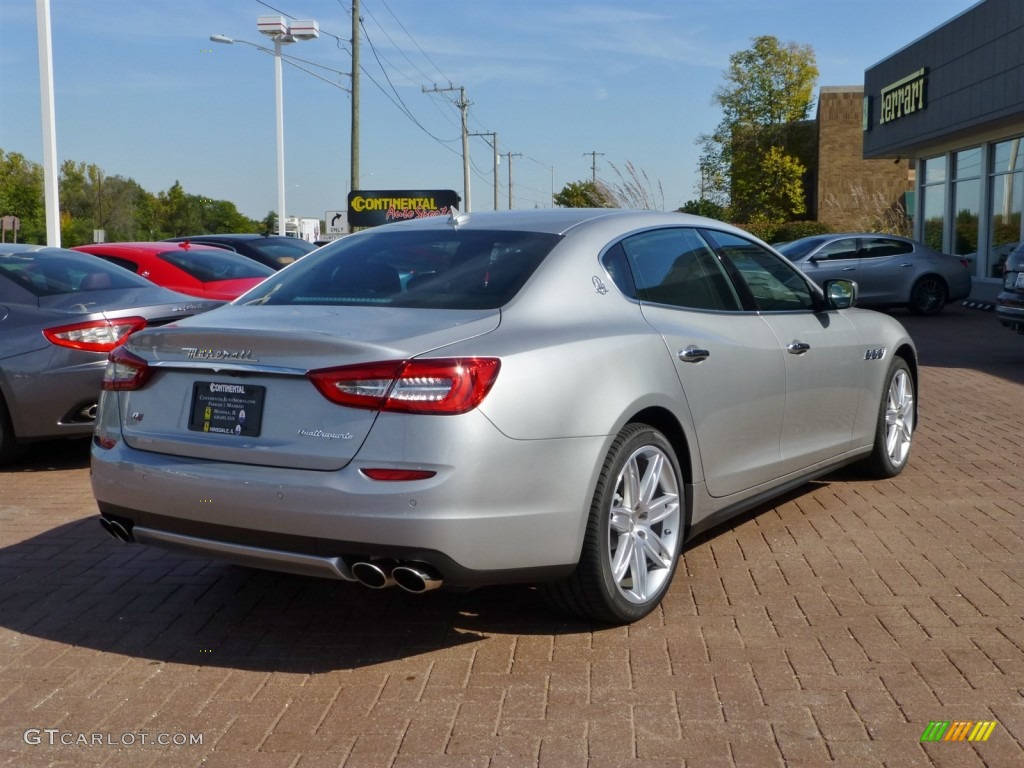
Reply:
x=225, y=388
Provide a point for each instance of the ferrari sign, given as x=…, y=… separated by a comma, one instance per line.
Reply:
x=373, y=208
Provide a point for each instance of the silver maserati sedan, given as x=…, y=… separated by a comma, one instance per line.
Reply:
x=557, y=397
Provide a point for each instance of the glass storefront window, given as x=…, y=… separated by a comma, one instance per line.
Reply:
x=1008, y=156
x=1006, y=192
x=968, y=164
x=935, y=170
x=933, y=202
x=966, y=201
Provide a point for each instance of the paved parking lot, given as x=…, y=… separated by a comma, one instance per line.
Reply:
x=827, y=629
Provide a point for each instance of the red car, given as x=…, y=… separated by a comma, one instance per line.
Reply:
x=198, y=270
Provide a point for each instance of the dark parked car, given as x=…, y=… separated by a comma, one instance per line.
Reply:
x=890, y=271
x=1010, y=302
x=273, y=250
x=61, y=312
x=559, y=396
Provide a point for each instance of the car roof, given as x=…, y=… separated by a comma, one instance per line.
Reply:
x=147, y=247
x=560, y=221
x=227, y=237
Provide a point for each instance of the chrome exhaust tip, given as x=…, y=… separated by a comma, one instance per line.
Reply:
x=89, y=412
x=116, y=529
x=375, y=574
x=416, y=578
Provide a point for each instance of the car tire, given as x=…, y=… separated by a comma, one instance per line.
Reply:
x=894, y=432
x=634, y=532
x=928, y=295
x=10, y=449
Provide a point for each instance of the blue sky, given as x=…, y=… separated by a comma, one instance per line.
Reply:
x=142, y=92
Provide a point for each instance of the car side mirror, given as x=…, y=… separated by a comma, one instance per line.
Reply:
x=840, y=294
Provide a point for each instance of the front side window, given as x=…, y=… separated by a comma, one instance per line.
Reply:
x=775, y=284
x=838, y=250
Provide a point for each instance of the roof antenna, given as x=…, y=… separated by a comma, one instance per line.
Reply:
x=456, y=219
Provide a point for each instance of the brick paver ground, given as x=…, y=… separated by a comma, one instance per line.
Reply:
x=827, y=629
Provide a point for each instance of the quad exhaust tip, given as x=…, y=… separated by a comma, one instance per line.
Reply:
x=117, y=529
x=375, y=574
x=416, y=578
x=412, y=577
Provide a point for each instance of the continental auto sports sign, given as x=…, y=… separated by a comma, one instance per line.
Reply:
x=373, y=208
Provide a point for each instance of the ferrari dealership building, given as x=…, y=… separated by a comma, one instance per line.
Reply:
x=952, y=103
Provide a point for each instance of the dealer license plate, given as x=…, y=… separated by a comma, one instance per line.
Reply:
x=226, y=409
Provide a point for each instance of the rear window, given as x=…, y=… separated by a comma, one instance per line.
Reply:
x=55, y=274
x=208, y=266
x=447, y=269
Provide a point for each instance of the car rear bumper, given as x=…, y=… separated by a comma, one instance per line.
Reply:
x=1010, y=310
x=474, y=526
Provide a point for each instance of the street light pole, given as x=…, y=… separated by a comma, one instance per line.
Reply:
x=279, y=98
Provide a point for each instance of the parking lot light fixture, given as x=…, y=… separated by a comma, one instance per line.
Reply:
x=282, y=31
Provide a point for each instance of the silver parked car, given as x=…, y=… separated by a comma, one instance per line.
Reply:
x=890, y=271
x=61, y=312
x=559, y=397
x=1010, y=301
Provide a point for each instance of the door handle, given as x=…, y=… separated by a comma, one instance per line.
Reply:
x=693, y=355
x=797, y=347
x=849, y=269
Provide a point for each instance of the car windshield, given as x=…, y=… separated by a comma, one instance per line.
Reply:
x=211, y=265
x=282, y=250
x=799, y=248
x=55, y=274
x=443, y=269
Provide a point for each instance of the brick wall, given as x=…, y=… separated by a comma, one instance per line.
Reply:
x=855, y=194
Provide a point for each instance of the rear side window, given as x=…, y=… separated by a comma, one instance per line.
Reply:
x=443, y=269
x=678, y=268
x=874, y=247
x=55, y=274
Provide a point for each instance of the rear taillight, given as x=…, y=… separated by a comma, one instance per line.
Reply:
x=95, y=335
x=125, y=371
x=443, y=386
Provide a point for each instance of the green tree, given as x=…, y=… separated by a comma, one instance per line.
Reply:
x=581, y=194
x=21, y=195
x=704, y=207
x=178, y=213
x=768, y=89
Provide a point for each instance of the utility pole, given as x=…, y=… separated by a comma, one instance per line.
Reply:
x=463, y=106
x=593, y=163
x=354, y=159
x=510, y=155
x=494, y=146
